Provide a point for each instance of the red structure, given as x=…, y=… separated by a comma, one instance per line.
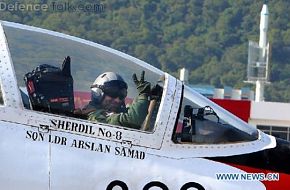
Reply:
x=240, y=108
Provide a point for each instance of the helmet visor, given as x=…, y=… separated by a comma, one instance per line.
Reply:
x=114, y=88
x=116, y=92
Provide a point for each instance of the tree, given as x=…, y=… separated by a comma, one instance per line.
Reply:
x=207, y=37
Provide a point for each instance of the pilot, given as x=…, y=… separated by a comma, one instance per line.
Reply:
x=107, y=104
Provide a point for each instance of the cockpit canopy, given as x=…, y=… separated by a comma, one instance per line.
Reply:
x=199, y=121
x=203, y=122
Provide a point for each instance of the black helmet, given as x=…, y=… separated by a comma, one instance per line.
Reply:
x=108, y=83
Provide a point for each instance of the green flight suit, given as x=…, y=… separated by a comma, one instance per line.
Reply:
x=133, y=117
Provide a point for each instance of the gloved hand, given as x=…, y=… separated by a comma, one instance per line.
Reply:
x=156, y=92
x=143, y=86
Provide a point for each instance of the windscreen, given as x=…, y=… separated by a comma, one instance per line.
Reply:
x=30, y=49
x=203, y=122
x=38, y=55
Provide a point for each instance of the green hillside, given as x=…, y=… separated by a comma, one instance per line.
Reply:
x=208, y=37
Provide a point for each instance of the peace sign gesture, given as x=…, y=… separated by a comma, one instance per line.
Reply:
x=143, y=86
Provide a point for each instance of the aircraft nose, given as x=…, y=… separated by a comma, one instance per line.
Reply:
x=280, y=155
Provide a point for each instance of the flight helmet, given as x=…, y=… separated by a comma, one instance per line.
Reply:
x=108, y=83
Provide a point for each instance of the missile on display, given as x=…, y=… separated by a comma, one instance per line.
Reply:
x=264, y=19
x=258, y=57
x=263, y=57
